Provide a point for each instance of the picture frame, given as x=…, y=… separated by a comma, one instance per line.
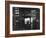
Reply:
x=19, y=23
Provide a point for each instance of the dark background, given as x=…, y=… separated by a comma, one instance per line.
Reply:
x=25, y=13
